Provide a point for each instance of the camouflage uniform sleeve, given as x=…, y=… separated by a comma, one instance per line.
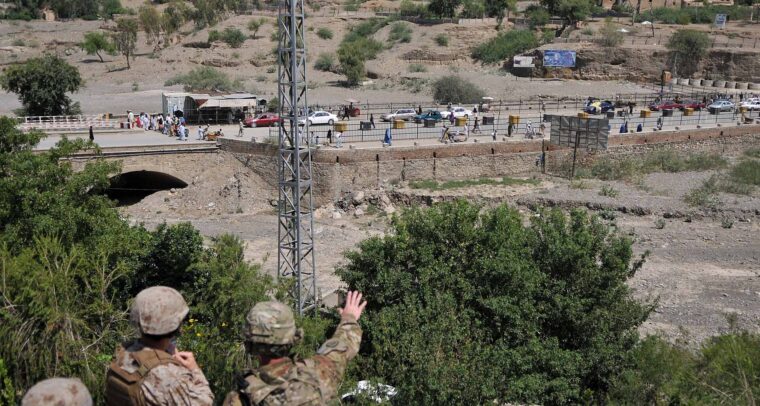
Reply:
x=333, y=356
x=175, y=385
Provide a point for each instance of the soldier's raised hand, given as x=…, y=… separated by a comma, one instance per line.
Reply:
x=354, y=305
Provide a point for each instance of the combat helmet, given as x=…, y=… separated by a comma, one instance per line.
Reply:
x=270, y=323
x=58, y=391
x=158, y=310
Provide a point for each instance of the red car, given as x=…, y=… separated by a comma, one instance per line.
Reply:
x=665, y=105
x=696, y=105
x=264, y=120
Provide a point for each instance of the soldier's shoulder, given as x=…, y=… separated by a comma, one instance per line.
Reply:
x=169, y=374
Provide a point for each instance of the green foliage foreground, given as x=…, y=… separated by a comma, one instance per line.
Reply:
x=471, y=306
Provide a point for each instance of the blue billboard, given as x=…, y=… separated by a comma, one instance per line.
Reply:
x=559, y=58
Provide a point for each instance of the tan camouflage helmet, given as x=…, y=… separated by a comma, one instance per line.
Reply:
x=58, y=392
x=270, y=323
x=158, y=310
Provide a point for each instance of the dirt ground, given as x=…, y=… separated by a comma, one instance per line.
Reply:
x=698, y=269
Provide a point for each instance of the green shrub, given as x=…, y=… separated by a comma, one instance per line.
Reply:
x=213, y=36
x=504, y=46
x=233, y=37
x=473, y=9
x=324, y=33
x=610, y=36
x=659, y=224
x=400, y=32
x=543, y=305
x=409, y=8
x=442, y=40
x=537, y=16
x=658, y=161
x=454, y=89
x=325, y=62
x=608, y=191
x=746, y=172
x=417, y=67
x=351, y=63
x=204, y=78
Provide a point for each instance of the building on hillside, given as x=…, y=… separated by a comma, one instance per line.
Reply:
x=212, y=109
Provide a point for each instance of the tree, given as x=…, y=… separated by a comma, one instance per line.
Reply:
x=110, y=7
x=454, y=89
x=151, y=22
x=42, y=84
x=537, y=15
x=125, y=37
x=351, y=64
x=256, y=24
x=444, y=8
x=500, y=9
x=468, y=305
x=96, y=42
x=574, y=10
x=688, y=48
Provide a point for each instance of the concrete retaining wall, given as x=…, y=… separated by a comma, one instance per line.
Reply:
x=339, y=171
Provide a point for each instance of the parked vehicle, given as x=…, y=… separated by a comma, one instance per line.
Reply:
x=429, y=115
x=722, y=105
x=263, y=120
x=694, y=104
x=319, y=117
x=751, y=104
x=599, y=107
x=400, y=114
x=665, y=105
x=458, y=111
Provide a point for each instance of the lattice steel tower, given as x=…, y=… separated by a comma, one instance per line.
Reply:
x=295, y=234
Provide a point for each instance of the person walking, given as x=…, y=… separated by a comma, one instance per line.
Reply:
x=201, y=135
x=388, y=139
x=510, y=128
x=476, y=127
x=182, y=135
x=372, y=120
x=443, y=132
x=270, y=333
x=240, y=128
x=130, y=118
x=338, y=139
x=150, y=370
x=92, y=135
x=329, y=136
x=451, y=118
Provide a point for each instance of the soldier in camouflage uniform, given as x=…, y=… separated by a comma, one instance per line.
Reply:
x=280, y=380
x=58, y=392
x=149, y=371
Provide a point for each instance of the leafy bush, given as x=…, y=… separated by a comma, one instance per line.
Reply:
x=454, y=89
x=724, y=370
x=409, y=8
x=659, y=161
x=232, y=36
x=443, y=8
x=473, y=9
x=255, y=25
x=505, y=46
x=96, y=42
x=456, y=287
x=417, y=67
x=324, y=33
x=608, y=191
x=442, y=40
x=611, y=37
x=537, y=16
x=204, y=78
x=325, y=62
x=400, y=32
x=42, y=85
x=351, y=63
x=747, y=172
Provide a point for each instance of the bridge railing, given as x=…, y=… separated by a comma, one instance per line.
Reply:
x=76, y=122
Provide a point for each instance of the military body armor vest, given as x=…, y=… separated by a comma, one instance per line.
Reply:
x=125, y=388
x=284, y=384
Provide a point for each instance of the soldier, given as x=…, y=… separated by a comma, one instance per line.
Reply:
x=58, y=392
x=149, y=371
x=270, y=334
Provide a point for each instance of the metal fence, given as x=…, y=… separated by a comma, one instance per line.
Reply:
x=356, y=132
x=76, y=122
x=662, y=40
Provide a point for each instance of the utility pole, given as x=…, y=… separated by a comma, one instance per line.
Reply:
x=295, y=233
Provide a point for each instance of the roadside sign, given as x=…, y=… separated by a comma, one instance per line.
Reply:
x=559, y=58
x=522, y=62
x=720, y=20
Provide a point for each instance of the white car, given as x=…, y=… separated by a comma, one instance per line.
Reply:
x=319, y=117
x=400, y=114
x=721, y=105
x=751, y=104
x=457, y=111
